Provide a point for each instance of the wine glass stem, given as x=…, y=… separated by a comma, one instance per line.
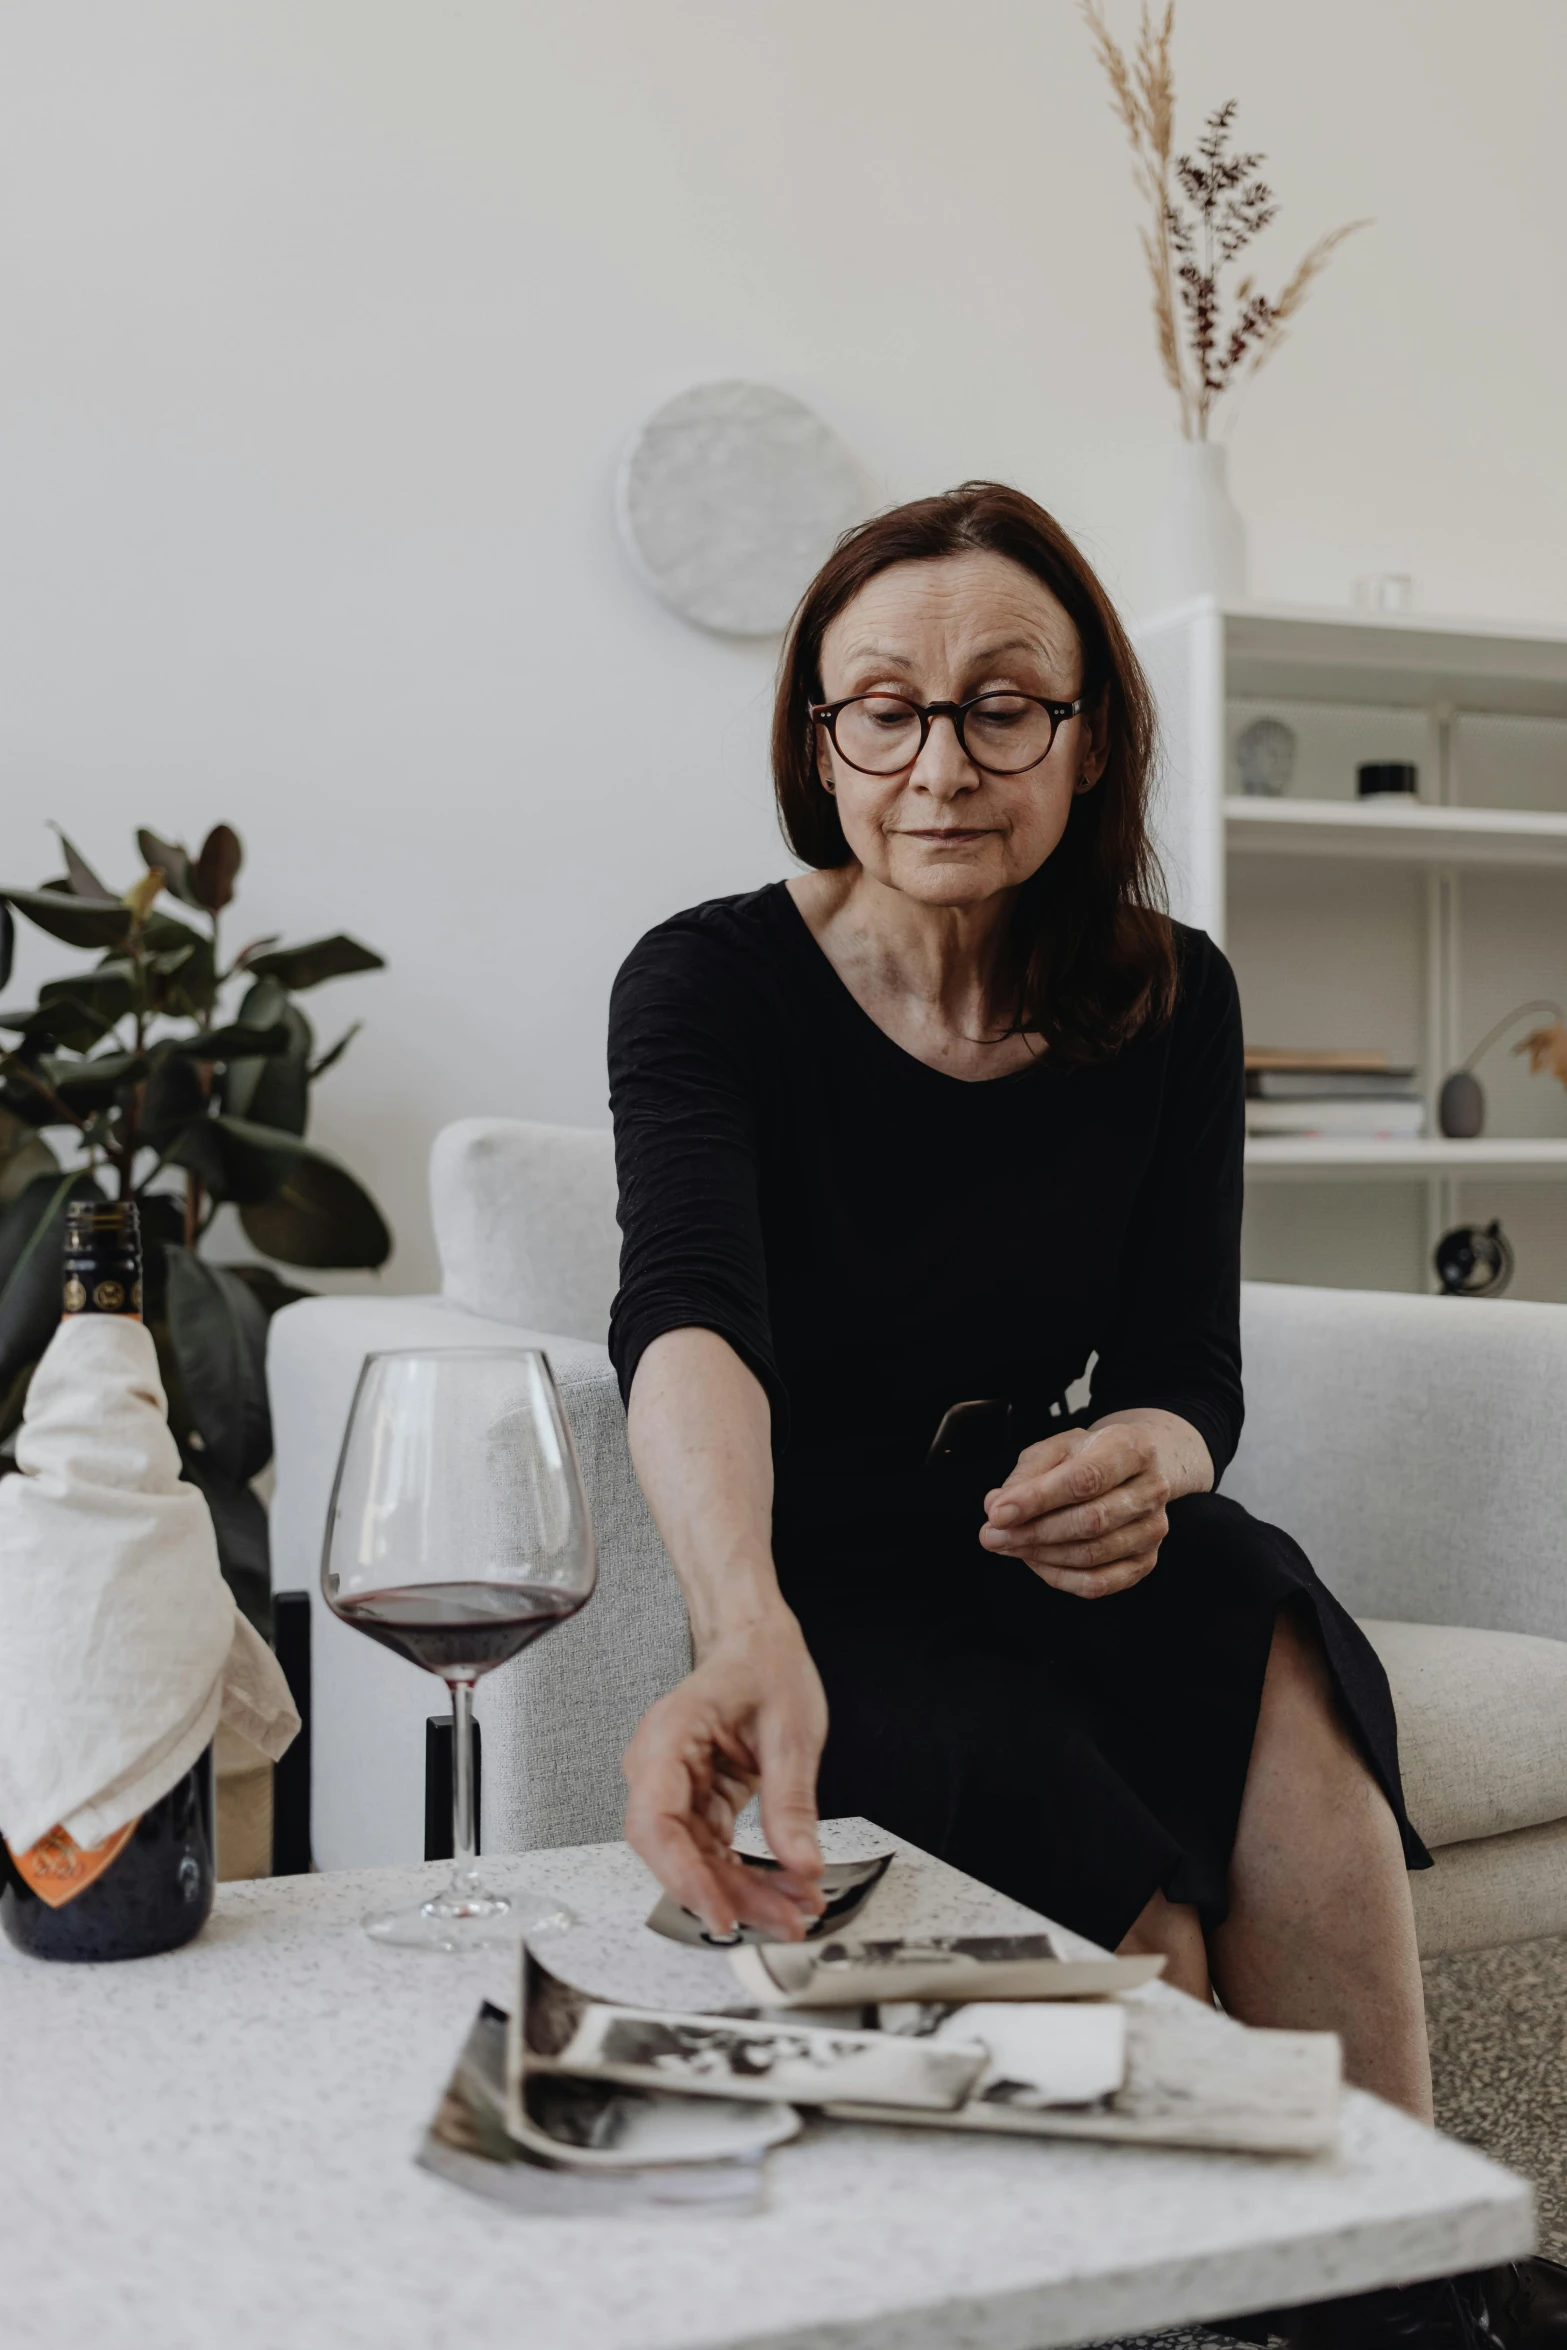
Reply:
x=465, y=1874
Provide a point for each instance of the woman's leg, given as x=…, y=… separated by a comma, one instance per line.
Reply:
x=1175, y=1929
x=1321, y=1931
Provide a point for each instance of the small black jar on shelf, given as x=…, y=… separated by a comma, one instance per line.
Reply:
x=1379, y=777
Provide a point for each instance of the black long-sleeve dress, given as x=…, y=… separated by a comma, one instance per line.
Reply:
x=879, y=1241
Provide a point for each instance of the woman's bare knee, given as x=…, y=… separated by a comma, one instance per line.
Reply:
x=1173, y=1931
x=1300, y=1723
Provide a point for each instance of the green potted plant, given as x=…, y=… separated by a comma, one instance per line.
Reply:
x=181, y=1079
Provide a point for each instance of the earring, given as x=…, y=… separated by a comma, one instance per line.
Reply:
x=1085, y=783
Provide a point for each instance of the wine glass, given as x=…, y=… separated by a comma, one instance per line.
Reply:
x=458, y=1533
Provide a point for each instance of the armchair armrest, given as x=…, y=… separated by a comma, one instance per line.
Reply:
x=557, y=1719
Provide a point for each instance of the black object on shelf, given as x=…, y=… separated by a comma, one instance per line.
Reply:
x=291, y=1777
x=1387, y=775
x=1474, y=1260
x=438, y=1788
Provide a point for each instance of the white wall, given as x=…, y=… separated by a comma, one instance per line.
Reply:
x=324, y=323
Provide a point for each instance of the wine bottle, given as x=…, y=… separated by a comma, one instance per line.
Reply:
x=149, y=1886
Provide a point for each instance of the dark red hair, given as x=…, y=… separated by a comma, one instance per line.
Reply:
x=1090, y=958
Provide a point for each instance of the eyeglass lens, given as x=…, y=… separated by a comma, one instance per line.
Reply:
x=1004, y=733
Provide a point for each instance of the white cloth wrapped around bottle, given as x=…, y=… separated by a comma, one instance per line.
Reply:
x=121, y=1648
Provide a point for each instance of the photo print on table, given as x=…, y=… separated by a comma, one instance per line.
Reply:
x=847, y=1885
x=944, y=1967
x=1191, y=2077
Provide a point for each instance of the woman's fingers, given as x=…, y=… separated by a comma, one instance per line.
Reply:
x=1095, y=1465
x=1126, y=1542
x=1036, y=1544
x=1143, y=1496
x=789, y=1823
x=686, y=1787
x=668, y=1822
x=741, y=1721
x=706, y=1876
x=1102, y=1583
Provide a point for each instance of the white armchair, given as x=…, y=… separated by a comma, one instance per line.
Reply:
x=1411, y=1444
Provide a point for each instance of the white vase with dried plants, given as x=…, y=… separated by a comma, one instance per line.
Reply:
x=1213, y=329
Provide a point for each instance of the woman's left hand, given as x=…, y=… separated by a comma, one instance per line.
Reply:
x=1086, y=1509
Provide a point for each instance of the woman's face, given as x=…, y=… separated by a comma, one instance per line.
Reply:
x=943, y=830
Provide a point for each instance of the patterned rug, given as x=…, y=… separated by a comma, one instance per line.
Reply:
x=1498, y=2022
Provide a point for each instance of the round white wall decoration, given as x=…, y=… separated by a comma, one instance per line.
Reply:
x=729, y=498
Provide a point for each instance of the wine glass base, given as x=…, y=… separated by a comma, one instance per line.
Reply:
x=456, y=1922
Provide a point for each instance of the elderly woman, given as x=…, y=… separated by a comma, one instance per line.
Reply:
x=907, y=1144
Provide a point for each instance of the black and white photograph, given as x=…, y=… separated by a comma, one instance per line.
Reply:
x=847, y=1885
x=843, y=1973
x=559, y=2030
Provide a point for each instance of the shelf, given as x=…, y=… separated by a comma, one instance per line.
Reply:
x=1390, y=828
x=1396, y=660
x=1313, y=1158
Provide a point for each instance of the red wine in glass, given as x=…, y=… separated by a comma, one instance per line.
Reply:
x=459, y=1630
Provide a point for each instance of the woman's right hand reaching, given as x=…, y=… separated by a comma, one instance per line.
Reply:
x=751, y=1717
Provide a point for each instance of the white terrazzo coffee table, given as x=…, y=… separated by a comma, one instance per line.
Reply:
x=214, y=2151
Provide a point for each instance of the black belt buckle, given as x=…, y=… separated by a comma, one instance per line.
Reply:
x=971, y=1433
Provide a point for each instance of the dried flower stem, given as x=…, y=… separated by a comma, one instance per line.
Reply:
x=1189, y=245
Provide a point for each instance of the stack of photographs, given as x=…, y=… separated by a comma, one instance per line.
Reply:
x=581, y=2101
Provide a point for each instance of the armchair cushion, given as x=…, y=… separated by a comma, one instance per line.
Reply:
x=1482, y=1727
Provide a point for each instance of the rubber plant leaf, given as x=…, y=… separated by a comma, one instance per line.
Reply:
x=218, y=1333
x=241, y=1040
x=217, y=868
x=334, y=1053
x=90, y=1084
x=172, y=1096
x=32, y=1237
x=240, y=1524
x=174, y=862
x=274, y=1092
x=295, y=1203
x=81, y=876
x=24, y=1155
x=323, y=958
x=79, y=922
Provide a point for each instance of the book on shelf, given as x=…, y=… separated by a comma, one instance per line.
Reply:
x=1295, y=1085
x=1366, y=1059
x=1390, y=1117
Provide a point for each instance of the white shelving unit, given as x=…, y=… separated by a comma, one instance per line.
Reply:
x=1411, y=925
